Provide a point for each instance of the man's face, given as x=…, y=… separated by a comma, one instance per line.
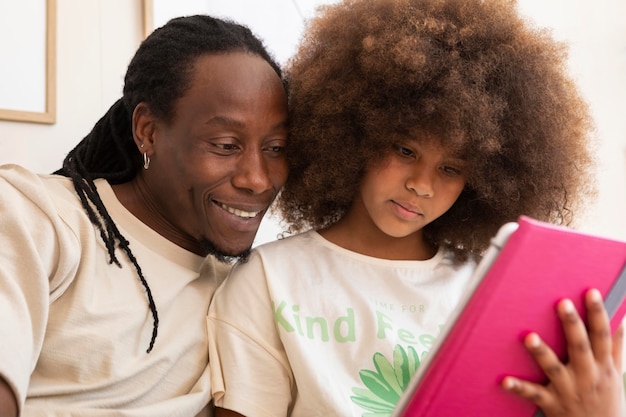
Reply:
x=218, y=165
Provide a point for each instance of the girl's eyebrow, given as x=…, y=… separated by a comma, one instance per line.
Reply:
x=455, y=155
x=448, y=153
x=455, y=158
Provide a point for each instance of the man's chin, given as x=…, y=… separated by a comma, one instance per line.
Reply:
x=224, y=256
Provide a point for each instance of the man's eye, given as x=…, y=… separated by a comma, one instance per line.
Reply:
x=275, y=147
x=226, y=146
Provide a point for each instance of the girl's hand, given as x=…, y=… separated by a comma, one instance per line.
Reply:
x=591, y=383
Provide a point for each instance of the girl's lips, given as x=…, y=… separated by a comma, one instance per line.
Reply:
x=409, y=208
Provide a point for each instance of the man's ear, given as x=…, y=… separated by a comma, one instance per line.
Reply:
x=144, y=124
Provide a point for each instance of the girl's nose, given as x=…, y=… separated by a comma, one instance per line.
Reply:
x=420, y=182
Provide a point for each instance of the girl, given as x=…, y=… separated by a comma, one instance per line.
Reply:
x=418, y=127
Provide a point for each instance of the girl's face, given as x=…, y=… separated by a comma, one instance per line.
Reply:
x=413, y=185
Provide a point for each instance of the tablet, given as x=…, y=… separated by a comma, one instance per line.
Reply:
x=529, y=266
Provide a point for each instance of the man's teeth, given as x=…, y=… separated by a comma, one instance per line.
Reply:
x=240, y=213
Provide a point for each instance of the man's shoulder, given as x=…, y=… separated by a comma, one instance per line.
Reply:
x=40, y=195
x=25, y=180
x=16, y=174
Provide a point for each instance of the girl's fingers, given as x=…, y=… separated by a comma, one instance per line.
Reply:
x=538, y=394
x=618, y=342
x=550, y=363
x=580, y=354
x=590, y=383
x=599, y=326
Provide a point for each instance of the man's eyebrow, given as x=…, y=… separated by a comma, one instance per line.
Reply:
x=225, y=121
x=229, y=121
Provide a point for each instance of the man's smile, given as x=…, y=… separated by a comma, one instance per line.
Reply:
x=238, y=212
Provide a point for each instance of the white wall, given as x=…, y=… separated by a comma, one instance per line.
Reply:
x=25, y=44
x=97, y=38
x=596, y=33
x=278, y=22
x=95, y=41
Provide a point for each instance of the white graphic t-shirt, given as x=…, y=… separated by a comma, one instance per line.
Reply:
x=308, y=328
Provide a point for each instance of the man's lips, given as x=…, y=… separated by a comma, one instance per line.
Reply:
x=244, y=214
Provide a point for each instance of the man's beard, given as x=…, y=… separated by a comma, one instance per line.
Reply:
x=221, y=256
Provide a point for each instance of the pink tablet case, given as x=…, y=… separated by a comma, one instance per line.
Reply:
x=539, y=265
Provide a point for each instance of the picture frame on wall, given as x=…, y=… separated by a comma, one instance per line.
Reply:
x=28, y=61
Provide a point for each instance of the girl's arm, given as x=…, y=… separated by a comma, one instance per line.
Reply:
x=8, y=405
x=222, y=412
x=590, y=384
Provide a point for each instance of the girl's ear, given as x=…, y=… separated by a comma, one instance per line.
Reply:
x=144, y=124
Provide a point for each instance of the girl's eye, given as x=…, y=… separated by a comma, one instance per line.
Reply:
x=403, y=150
x=450, y=170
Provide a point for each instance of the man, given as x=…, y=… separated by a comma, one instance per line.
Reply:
x=105, y=280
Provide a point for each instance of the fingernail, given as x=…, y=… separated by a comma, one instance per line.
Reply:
x=595, y=296
x=533, y=340
x=509, y=383
x=568, y=306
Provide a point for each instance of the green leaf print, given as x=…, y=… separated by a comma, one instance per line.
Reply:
x=373, y=405
x=369, y=400
x=387, y=371
x=378, y=385
x=414, y=361
x=387, y=383
x=376, y=415
x=400, y=358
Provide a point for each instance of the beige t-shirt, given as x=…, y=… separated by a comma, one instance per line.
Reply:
x=308, y=328
x=75, y=328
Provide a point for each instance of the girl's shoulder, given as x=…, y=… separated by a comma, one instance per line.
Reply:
x=311, y=245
